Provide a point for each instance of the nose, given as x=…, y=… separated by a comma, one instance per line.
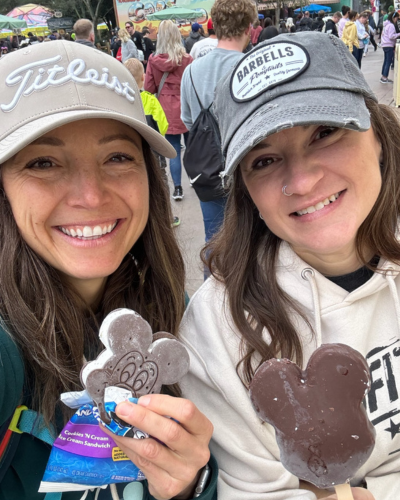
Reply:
x=302, y=175
x=88, y=189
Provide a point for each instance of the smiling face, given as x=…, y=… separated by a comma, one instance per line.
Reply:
x=334, y=178
x=80, y=196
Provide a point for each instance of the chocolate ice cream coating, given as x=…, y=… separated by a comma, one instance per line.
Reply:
x=322, y=429
x=134, y=359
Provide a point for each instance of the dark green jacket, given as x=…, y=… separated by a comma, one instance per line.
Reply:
x=22, y=478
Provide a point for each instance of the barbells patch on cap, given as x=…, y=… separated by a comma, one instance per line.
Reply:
x=266, y=67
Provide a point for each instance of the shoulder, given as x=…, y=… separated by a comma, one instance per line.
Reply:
x=207, y=309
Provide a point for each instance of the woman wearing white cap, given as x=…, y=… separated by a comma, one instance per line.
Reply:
x=85, y=229
x=308, y=255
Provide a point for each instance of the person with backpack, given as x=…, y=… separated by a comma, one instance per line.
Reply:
x=306, y=23
x=163, y=77
x=203, y=158
x=85, y=229
x=318, y=23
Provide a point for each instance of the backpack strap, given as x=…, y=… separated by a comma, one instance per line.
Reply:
x=30, y=422
x=162, y=81
x=197, y=95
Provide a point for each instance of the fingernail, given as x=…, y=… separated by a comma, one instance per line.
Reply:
x=124, y=409
x=144, y=401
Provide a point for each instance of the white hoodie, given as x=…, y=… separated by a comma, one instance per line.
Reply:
x=367, y=319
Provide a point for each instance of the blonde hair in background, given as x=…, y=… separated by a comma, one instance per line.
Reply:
x=135, y=68
x=124, y=35
x=83, y=28
x=169, y=42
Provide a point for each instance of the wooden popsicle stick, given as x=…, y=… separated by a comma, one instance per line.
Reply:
x=343, y=492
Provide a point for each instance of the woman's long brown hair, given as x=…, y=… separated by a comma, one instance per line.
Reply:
x=49, y=320
x=243, y=256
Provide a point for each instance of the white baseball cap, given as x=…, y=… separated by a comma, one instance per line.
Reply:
x=51, y=84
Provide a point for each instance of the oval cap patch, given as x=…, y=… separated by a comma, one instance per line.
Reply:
x=267, y=66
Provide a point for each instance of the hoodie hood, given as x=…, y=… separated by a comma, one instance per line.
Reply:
x=160, y=61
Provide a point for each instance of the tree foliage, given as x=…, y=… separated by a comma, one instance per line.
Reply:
x=7, y=6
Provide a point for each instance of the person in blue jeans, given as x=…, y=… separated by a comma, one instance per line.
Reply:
x=175, y=164
x=388, y=42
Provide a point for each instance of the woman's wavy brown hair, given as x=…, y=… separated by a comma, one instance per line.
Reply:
x=254, y=297
x=49, y=320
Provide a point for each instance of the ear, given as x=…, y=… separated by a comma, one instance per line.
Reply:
x=173, y=360
x=91, y=38
x=127, y=332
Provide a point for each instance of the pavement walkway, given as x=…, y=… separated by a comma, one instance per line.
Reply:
x=191, y=231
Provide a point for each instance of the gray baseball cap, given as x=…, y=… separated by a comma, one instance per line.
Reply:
x=306, y=78
x=50, y=84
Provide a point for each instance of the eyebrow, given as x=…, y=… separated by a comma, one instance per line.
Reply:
x=118, y=137
x=262, y=145
x=48, y=141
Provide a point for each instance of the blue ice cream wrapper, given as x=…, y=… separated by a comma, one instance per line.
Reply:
x=83, y=456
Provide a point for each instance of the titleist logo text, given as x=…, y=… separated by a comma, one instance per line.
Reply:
x=55, y=76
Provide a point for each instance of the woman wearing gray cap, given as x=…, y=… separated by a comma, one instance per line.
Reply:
x=84, y=229
x=308, y=255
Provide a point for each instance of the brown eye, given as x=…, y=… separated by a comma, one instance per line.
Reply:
x=263, y=163
x=40, y=164
x=120, y=158
x=325, y=131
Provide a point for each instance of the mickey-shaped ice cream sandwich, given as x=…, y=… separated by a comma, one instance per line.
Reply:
x=134, y=359
x=322, y=429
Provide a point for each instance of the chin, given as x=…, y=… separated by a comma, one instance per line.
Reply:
x=91, y=273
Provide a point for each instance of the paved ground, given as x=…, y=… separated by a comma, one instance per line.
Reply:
x=191, y=231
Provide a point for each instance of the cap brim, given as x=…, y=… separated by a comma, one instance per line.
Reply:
x=311, y=107
x=28, y=133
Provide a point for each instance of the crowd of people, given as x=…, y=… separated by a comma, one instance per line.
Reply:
x=298, y=183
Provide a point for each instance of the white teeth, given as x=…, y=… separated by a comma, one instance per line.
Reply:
x=87, y=232
x=97, y=231
x=319, y=206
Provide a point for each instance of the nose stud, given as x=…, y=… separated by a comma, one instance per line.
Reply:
x=284, y=191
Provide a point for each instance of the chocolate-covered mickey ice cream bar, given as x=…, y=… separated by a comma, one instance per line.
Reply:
x=134, y=359
x=322, y=428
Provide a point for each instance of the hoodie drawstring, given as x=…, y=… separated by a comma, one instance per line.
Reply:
x=390, y=277
x=309, y=275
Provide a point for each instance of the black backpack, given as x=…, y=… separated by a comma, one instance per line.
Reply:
x=203, y=159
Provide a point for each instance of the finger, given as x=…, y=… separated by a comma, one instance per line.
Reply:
x=174, y=435
x=166, y=474
x=183, y=410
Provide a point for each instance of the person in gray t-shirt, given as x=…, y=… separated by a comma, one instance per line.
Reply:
x=233, y=37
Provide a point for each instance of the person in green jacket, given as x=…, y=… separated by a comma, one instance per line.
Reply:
x=84, y=230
